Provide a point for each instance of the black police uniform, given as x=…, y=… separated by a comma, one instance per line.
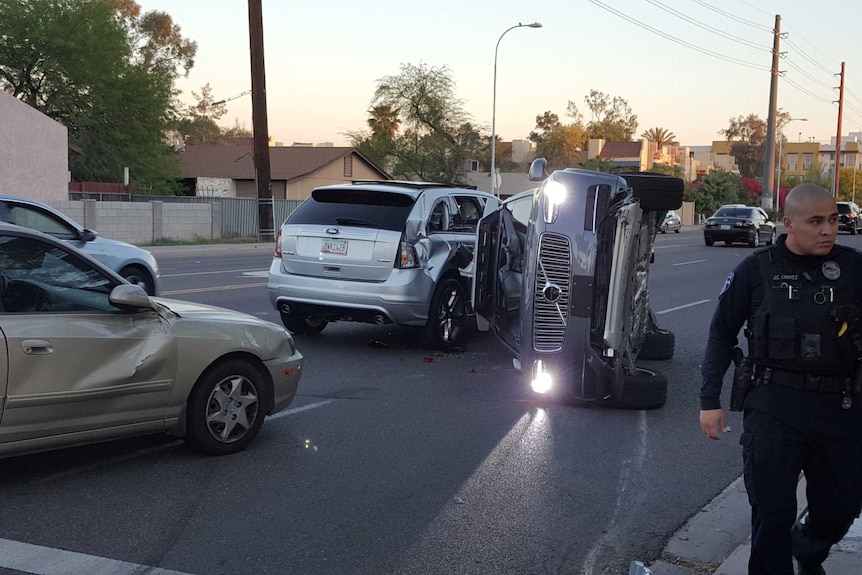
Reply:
x=802, y=414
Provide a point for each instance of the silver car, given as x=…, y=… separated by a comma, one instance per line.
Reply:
x=136, y=265
x=88, y=358
x=561, y=278
x=378, y=252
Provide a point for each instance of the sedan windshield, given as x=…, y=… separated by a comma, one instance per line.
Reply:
x=733, y=213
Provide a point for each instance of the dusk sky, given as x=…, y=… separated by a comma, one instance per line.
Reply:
x=323, y=60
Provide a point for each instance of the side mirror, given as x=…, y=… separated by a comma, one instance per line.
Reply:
x=537, y=171
x=88, y=235
x=131, y=297
x=463, y=256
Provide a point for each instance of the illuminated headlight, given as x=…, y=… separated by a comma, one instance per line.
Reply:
x=541, y=381
x=555, y=194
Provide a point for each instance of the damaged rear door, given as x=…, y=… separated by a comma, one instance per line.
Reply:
x=76, y=363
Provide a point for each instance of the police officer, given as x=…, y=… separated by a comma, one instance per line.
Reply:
x=800, y=300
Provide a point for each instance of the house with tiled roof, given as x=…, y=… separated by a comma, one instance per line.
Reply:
x=635, y=156
x=228, y=170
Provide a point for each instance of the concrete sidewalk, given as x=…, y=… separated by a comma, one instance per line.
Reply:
x=717, y=540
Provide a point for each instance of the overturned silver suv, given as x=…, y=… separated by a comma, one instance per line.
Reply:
x=560, y=274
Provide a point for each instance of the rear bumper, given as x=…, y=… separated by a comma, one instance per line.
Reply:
x=731, y=235
x=403, y=299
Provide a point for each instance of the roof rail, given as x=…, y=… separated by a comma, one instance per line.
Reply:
x=412, y=184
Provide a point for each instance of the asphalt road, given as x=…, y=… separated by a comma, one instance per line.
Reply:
x=394, y=459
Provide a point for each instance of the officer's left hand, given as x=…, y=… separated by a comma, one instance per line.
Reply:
x=712, y=423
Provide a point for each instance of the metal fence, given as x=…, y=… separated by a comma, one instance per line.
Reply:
x=239, y=216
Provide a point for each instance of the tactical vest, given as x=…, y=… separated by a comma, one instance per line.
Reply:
x=795, y=329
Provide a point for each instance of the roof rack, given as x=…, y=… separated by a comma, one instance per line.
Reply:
x=411, y=184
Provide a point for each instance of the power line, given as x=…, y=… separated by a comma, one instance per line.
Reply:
x=733, y=16
x=707, y=27
x=754, y=7
x=807, y=92
x=807, y=75
x=677, y=40
x=809, y=58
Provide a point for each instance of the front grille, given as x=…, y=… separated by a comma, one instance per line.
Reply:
x=549, y=322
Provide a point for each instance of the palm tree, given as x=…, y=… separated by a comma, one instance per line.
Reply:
x=384, y=121
x=660, y=136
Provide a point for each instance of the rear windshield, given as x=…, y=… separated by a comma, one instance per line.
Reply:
x=734, y=212
x=349, y=207
x=844, y=208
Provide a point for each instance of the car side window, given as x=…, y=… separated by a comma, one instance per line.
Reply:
x=36, y=277
x=35, y=219
x=520, y=210
x=469, y=213
x=439, y=220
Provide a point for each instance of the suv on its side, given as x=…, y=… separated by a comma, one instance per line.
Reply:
x=560, y=276
x=378, y=252
x=849, y=218
x=135, y=265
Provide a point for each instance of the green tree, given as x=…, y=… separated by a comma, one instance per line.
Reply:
x=675, y=171
x=438, y=137
x=749, y=135
x=76, y=62
x=660, y=136
x=612, y=117
x=562, y=146
x=817, y=175
x=600, y=165
x=198, y=124
x=716, y=189
x=545, y=124
x=849, y=184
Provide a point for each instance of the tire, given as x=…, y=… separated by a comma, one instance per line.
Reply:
x=676, y=231
x=226, y=408
x=646, y=389
x=772, y=238
x=708, y=242
x=444, y=329
x=138, y=276
x=302, y=324
x=656, y=192
x=854, y=230
x=658, y=346
x=755, y=242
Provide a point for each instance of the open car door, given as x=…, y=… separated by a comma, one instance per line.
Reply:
x=498, y=276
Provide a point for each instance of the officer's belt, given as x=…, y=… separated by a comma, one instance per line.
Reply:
x=805, y=381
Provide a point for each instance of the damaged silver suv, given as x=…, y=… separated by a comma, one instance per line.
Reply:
x=560, y=274
x=378, y=252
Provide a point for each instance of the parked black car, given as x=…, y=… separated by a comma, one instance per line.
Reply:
x=560, y=277
x=849, y=218
x=740, y=224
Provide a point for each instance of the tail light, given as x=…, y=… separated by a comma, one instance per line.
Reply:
x=406, y=256
x=278, y=245
x=743, y=224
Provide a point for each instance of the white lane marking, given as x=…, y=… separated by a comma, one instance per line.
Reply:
x=679, y=307
x=254, y=271
x=630, y=476
x=213, y=288
x=40, y=560
x=691, y=262
x=262, y=273
x=296, y=410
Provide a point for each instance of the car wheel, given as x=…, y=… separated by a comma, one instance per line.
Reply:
x=771, y=238
x=708, y=241
x=138, y=276
x=755, y=241
x=225, y=408
x=644, y=389
x=656, y=192
x=663, y=230
x=298, y=324
x=446, y=314
x=676, y=231
x=658, y=345
x=854, y=230
x=728, y=242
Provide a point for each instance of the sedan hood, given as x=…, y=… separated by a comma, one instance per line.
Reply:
x=194, y=310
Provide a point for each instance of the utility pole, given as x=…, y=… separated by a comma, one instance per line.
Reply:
x=769, y=158
x=838, y=137
x=262, y=173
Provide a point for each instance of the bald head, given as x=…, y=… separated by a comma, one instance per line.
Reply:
x=800, y=198
x=810, y=220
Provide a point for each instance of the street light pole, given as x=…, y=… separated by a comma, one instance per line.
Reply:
x=494, y=191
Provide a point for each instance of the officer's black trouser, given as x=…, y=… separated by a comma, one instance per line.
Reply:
x=788, y=431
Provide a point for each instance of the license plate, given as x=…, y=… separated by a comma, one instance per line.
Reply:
x=724, y=227
x=334, y=247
